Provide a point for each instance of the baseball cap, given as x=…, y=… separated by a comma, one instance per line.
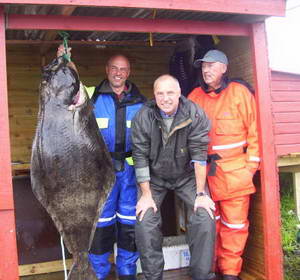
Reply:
x=212, y=56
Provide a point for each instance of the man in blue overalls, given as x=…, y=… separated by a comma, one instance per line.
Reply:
x=116, y=101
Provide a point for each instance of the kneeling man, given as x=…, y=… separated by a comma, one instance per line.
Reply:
x=170, y=138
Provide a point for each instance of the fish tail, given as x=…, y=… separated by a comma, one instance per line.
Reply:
x=81, y=268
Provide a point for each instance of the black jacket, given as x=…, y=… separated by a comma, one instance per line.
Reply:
x=187, y=140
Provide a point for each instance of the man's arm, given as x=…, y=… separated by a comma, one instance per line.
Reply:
x=202, y=200
x=140, y=153
x=198, y=141
x=198, y=135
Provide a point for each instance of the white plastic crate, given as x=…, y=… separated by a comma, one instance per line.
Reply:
x=176, y=256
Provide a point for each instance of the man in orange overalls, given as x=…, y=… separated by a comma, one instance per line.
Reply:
x=233, y=156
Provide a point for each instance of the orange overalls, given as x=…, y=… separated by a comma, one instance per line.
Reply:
x=234, y=157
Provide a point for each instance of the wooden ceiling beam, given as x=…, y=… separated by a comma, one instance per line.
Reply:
x=51, y=34
x=92, y=43
x=113, y=24
x=255, y=7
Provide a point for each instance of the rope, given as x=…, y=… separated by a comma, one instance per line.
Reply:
x=64, y=35
x=64, y=257
x=151, y=34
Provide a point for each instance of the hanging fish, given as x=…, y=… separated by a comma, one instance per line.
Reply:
x=71, y=169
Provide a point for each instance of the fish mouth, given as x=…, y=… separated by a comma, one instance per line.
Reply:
x=75, y=99
x=79, y=98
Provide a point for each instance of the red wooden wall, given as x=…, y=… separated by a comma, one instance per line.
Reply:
x=285, y=90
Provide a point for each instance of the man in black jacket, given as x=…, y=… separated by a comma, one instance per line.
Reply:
x=169, y=138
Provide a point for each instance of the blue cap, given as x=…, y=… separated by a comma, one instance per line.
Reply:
x=212, y=56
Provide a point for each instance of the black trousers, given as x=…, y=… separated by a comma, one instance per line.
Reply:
x=200, y=232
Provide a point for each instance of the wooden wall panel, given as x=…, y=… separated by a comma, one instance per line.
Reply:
x=283, y=76
x=287, y=117
x=287, y=138
x=286, y=109
x=282, y=95
x=240, y=66
x=239, y=55
x=24, y=73
x=254, y=263
x=285, y=128
x=287, y=149
x=286, y=106
x=287, y=85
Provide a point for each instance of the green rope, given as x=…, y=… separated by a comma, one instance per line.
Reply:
x=64, y=35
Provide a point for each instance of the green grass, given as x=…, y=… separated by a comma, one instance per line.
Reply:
x=291, y=248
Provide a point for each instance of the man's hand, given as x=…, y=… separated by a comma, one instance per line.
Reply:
x=145, y=202
x=206, y=203
x=61, y=51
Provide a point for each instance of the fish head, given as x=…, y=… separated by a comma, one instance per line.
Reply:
x=60, y=81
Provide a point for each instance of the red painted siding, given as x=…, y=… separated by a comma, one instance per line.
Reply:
x=259, y=7
x=269, y=176
x=286, y=111
x=8, y=258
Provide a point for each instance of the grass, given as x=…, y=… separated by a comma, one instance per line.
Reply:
x=289, y=229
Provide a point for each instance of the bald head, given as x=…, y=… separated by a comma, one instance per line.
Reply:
x=118, y=57
x=167, y=92
x=117, y=70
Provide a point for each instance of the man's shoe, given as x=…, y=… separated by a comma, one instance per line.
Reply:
x=230, y=277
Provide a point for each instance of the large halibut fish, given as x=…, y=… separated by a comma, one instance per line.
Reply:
x=71, y=169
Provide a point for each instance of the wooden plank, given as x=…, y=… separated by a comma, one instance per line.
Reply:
x=286, y=86
x=178, y=274
x=8, y=259
x=293, y=117
x=287, y=139
x=85, y=23
x=45, y=267
x=23, y=166
x=6, y=198
x=20, y=141
x=290, y=169
x=259, y=7
x=287, y=128
x=254, y=251
x=287, y=149
x=282, y=76
x=268, y=169
x=296, y=182
x=24, y=111
x=286, y=106
x=288, y=161
x=287, y=96
x=89, y=43
x=17, y=131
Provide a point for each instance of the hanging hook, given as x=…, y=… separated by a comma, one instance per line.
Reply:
x=150, y=34
x=65, y=35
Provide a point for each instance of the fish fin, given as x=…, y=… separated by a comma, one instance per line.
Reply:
x=81, y=268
